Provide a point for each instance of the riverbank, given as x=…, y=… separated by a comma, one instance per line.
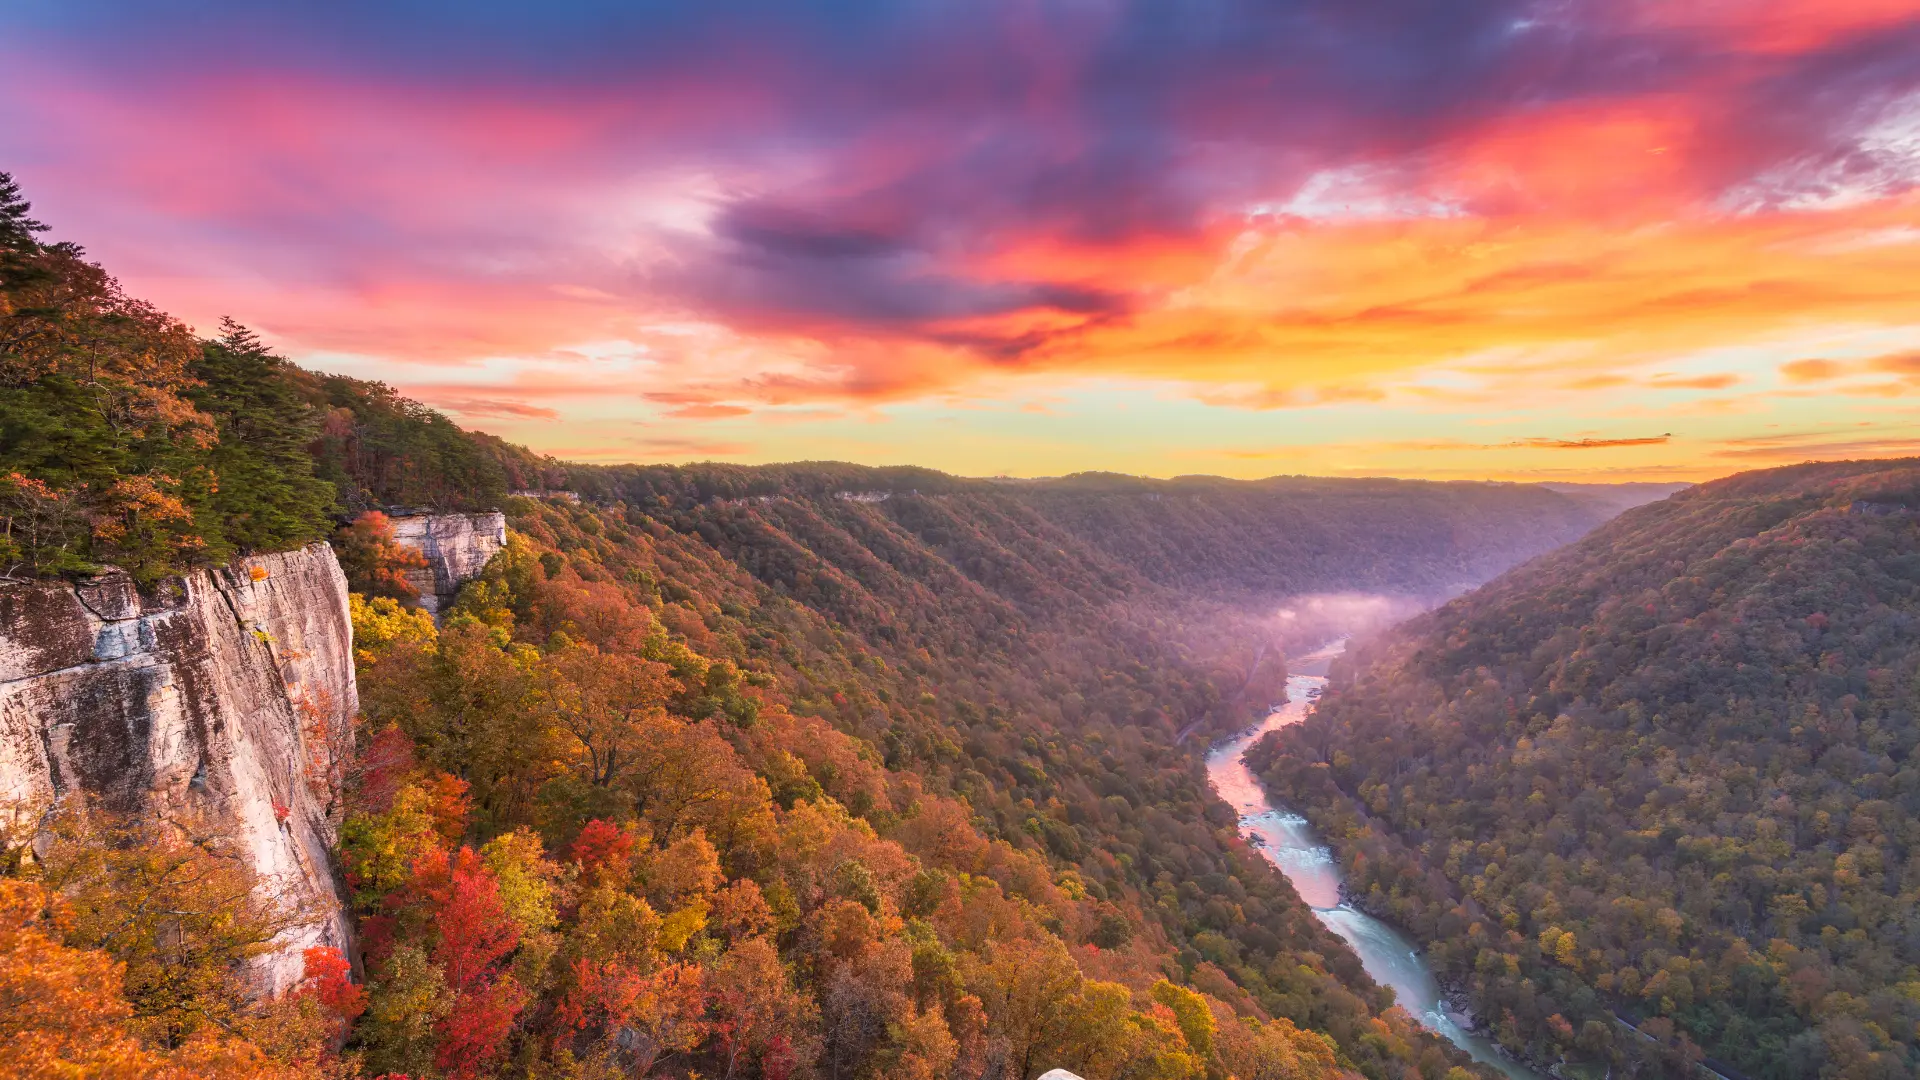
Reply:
x=1455, y=1004
x=1287, y=840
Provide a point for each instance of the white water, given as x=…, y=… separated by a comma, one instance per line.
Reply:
x=1286, y=839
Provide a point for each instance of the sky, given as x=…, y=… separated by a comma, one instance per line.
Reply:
x=1460, y=239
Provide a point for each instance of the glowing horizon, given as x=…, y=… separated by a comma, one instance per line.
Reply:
x=1499, y=239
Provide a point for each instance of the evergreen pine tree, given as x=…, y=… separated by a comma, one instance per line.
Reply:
x=266, y=496
x=16, y=228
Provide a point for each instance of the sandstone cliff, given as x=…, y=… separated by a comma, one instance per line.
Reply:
x=457, y=547
x=218, y=698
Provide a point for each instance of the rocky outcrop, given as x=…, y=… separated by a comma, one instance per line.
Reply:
x=215, y=698
x=457, y=547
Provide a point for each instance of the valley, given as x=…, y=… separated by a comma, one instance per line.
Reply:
x=1653, y=793
x=1287, y=839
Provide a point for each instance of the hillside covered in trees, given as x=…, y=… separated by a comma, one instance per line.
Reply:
x=786, y=771
x=1664, y=777
x=1198, y=534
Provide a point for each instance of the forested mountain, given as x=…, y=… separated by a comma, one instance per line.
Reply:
x=1202, y=534
x=787, y=771
x=1663, y=776
x=1004, y=803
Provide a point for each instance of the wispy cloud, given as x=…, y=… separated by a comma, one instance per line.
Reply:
x=1694, y=382
x=1593, y=444
x=708, y=412
x=1851, y=448
x=494, y=408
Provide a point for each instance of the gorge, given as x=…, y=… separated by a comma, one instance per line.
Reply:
x=1655, y=792
x=1288, y=840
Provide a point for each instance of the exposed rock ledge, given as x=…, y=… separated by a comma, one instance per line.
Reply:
x=457, y=547
x=203, y=700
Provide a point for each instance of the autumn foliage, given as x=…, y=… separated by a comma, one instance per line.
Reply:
x=129, y=440
x=606, y=846
x=329, y=978
x=74, y=1006
x=375, y=563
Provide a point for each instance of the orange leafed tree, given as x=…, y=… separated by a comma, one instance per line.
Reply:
x=374, y=562
x=63, y=1017
x=61, y=1013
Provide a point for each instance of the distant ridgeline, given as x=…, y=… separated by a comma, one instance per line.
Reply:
x=773, y=771
x=1663, y=778
x=1271, y=537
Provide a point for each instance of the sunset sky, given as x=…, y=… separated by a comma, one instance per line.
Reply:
x=1560, y=239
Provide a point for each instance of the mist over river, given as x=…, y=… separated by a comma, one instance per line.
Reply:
x=1286, y=839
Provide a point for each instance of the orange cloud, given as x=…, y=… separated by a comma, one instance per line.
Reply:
x=707, y=412
x=494, y=407
x=1297, y=306
x=1811, y=371
x=1696, y=382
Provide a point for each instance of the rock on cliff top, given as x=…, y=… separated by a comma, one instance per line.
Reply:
x=457, y=547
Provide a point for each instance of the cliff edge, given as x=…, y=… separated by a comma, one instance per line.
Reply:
x=221, y=697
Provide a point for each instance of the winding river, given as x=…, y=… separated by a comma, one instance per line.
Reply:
x=1288, y=841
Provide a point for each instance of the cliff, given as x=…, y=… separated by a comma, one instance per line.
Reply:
x=456, y=546
x=217, y=698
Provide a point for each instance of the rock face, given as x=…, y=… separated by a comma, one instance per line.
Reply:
x=457, y=547
x=218, y=698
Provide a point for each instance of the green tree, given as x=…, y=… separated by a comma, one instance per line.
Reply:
x=16, y=228
x=268, y=497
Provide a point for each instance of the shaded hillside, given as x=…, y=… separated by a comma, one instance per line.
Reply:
x=1666, y=772
x=1095, y=533
x=1300, y=534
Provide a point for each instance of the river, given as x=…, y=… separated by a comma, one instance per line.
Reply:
x=1289, y=842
